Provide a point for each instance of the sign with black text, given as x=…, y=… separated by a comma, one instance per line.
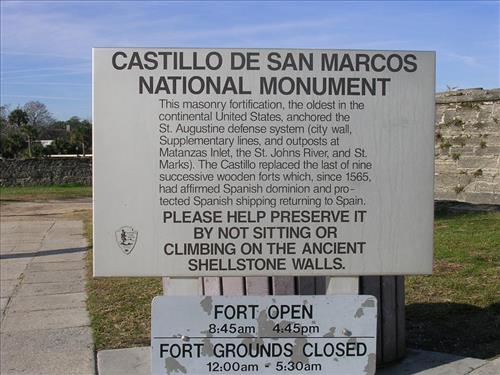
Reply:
x=264, y=335
x=262, y=162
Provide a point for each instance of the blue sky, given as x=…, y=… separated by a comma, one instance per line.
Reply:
x=46, y=47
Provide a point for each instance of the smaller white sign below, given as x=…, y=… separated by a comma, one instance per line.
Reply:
x=264, y=335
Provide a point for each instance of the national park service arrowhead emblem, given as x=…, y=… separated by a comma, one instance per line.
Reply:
x=126, y=237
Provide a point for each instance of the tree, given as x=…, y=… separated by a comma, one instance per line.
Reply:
x=61, y=146
x=12, y=143
x=4, y=117
x=31, y=133
x=18, y=117
x=82, y=134
x=73, y=123
x=38, y=114
x=24, y=125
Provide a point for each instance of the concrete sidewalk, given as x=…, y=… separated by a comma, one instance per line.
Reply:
x=44, y=321
x=137, y=361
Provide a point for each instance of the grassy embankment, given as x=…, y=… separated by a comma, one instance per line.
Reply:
x=457, y=309
x=35, y=193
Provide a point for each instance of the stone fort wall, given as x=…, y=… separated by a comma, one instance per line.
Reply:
x=467, y=146
x=46, y=171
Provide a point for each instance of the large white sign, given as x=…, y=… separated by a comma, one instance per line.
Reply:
x=262, y=162
x=264, y=335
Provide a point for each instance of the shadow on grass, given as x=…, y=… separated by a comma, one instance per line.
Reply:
x=450, y=209
x=454, y=328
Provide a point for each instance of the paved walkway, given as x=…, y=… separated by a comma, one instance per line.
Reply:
x=44, y=322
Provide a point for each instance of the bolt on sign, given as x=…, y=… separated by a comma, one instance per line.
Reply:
x=262, y=162
x=264, y=335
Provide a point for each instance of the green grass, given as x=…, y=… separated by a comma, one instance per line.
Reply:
x=27, y=193
x=457, y=309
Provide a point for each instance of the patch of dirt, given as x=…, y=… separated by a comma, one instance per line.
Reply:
x=43, y=210
x=443, y=266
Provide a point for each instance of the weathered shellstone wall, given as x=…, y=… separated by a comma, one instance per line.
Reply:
x=46, y=171
x=467, y=146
